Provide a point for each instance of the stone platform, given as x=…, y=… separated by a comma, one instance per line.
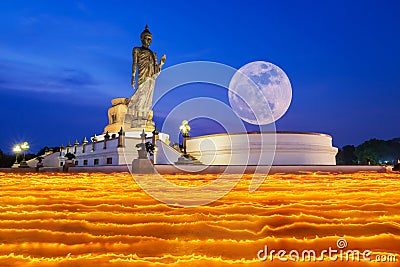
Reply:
x=265, y=148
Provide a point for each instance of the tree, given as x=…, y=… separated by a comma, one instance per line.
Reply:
x=148, y=146
x=1, y=157
x=69, y=156
x=396, y=140
x=375, y=151
x=347, y=155
x=6, y=161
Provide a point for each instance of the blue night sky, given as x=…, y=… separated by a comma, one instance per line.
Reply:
x=63, y=61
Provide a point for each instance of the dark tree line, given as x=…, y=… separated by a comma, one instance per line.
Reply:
x=371, y=152
x=7, y=160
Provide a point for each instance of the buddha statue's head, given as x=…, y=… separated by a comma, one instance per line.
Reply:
x=146, y=37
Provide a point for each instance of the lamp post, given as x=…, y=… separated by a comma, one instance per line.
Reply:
x=16, y=150
x=61, y=149
x=184, y=128
x=24, y=146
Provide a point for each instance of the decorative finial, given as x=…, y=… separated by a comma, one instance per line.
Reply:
x=155, y=132
x=121, y=132
x=143, y=136
x=145, y=32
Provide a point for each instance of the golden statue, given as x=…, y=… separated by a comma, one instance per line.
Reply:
x=145, y=59
x=134, y=113
x=144, y=62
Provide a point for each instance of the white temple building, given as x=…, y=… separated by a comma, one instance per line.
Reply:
x=281, y=148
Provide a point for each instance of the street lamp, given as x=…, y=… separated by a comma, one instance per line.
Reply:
x=184, y=128
x=16, y=150
x=24, y=146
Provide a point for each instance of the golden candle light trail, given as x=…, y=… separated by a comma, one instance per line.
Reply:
x=62, y=219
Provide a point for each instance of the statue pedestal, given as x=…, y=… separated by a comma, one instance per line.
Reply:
x=147, y=129
x=139, y=121
x=135, y=121
x=142, y=166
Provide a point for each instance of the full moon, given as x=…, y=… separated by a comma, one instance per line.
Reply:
x=260, y=93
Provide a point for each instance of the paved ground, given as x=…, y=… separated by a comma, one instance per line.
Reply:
x=173, y=169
